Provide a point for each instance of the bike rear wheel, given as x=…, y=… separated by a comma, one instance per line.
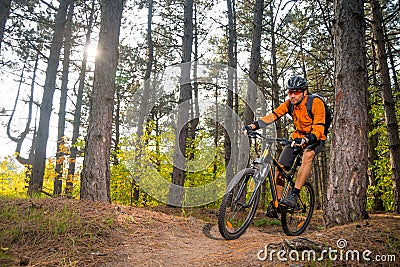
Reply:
x=295, y=220
x=238, y=206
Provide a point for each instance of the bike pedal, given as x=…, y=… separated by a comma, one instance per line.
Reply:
x=272, y=212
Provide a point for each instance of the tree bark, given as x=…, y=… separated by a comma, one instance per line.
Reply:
x=324, y=175
x=78, y=109
x=388, y=101
x=63, y=103
x=149, y=67
x=194, y=103
x=392, y=63
x=5, y=6
x=373, y=141
x=275, y=85
x=179, y=159
x=347, y=182
x=95, y=177
x=255, y=61
x=144, y=106
x=39, y=160
x=232, y=63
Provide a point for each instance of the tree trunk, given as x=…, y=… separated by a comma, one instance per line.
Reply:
x=316, y=178
x=143, y=112
x=216, y=130
x=347, y=183
x=78, y=109
x=237, y=124
x=4, y=12
x=392, y=64
x=117, y=125
x=373, y=141
x=63, y=103
x=264, y=189
x=388, y=102
x=39, y=160
x=275, y=85
x=255, y=62
x=179, y=159
x=144, y=106
x=323, y=176
x=95, y=177
x=232, y=62
x=194, y=107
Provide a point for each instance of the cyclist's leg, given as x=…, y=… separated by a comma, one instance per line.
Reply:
x=305, y=168
x=306, y=163
x=286, y=159
x=303, y=173
x=280, y=183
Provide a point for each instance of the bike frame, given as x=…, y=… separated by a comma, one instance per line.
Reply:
x=239, y=205
x=264, y=169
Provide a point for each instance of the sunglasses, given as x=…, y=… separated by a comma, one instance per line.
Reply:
x=295, y=92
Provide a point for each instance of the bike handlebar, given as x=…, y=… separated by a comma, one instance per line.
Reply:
x=282, y=141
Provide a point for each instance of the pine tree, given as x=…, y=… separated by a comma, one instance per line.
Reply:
x=347, y=183
x=95, y=177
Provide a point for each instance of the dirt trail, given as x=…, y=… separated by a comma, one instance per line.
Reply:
x=174, y=241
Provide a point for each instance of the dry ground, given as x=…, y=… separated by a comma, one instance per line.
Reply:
x=98, y=234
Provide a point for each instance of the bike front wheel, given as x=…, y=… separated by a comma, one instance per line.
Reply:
x=295, y=220
x=238, y=206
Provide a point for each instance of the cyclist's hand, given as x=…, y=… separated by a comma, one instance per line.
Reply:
x=299, y=142
x=246, y=129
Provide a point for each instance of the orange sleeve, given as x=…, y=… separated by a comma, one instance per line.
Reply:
x=277, y=113
x=318, y=127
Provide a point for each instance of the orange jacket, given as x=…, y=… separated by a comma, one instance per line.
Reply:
x=302, y=122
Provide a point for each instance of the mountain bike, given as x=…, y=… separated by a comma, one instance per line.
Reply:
x=240, y=201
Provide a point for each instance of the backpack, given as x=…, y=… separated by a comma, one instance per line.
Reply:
x=328, y=112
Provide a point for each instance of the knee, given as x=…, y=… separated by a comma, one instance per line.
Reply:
x=308, y=156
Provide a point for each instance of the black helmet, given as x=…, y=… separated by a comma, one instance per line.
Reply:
x=297, y=82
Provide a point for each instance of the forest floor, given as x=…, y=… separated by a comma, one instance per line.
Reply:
x=62, y=232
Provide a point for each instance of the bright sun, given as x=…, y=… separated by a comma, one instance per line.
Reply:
x=92, y=51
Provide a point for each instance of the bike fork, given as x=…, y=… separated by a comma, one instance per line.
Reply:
x=241, y=190
x=274, y=192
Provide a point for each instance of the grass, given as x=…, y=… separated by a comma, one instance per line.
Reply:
x=5, y=257
x=58, y=226
x=26, y=219
x=264, y=222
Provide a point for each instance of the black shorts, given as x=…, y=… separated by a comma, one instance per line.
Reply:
x=288, y=154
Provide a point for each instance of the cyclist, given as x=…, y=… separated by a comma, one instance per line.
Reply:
x=309, y=134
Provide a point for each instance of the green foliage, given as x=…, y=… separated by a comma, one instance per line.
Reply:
x=12, y=178
x=381, y=168
x=138, y=163
x=120, y=183
x=147, y=164
x=265, y=222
